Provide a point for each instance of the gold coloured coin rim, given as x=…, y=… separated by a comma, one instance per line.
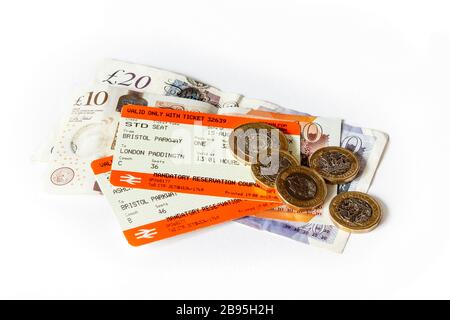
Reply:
x=295, y=203
x=256, y=169
x=342, y=224
x=284, y=144
x=336, y=179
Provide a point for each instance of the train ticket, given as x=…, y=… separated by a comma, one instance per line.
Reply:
x=188, y=152
x=146, y=216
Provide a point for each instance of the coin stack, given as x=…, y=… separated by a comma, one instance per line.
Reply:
x=304, y=187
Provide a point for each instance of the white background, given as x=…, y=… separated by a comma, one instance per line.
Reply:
x=379, y=64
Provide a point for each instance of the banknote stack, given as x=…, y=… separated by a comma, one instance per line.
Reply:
x=172, y=155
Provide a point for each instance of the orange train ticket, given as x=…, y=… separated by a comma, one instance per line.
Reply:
x=146, y=216
x=188, y=152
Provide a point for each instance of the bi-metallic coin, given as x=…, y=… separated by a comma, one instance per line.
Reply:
x=355, y=212
x=335, y=164
x=246, y=140
x=301, y=188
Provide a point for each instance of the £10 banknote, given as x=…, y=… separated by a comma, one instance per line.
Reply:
x=139, y=79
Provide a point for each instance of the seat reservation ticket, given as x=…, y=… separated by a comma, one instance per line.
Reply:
x=146, y=216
